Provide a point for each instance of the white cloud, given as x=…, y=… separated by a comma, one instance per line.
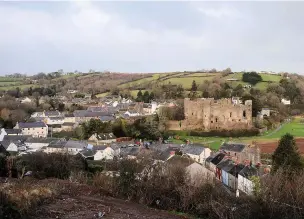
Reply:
x=221, y=12
x=84, y=35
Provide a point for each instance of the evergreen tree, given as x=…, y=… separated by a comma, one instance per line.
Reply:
x=139, y=96
x=194, y=86
x=152, y=96
x=286, y=156
x=146, y=97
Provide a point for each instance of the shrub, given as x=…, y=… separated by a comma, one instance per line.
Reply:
x=251, y=77
x=50, y=165
x=218, y=133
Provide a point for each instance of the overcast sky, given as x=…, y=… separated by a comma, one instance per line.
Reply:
x=151, y=36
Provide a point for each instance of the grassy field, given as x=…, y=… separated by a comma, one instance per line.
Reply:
x=187, y=81
x=296, y=128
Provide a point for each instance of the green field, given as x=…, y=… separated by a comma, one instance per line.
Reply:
x=187, y=81
x=296, y=128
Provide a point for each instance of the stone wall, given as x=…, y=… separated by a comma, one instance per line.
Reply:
x=209, y=114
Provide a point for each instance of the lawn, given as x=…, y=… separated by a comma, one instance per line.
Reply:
x=269, y=77
x=20, y=86
x=102, y=95
x=296, y=128
x=187, y=81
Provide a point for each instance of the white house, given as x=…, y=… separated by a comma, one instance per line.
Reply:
x=285, y=101
x=103, y=153
x=199, y=153
x=198, y=173
x=265, y=112
x=244, y=183
x=132, y=113
x=35, y=129
x=26, y=100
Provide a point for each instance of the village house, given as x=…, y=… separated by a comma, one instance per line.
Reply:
x=35, y=129
x=132, y=113
x=198, y=174
x=68, y=126
x=69, y=118
x=104, y=152
x=34, y=144
x=197, y=152
x=245, y=183
x=107, y=118
x=242, y=153
x=103, y=138
x=285, y=101
x=74, y=147
x=85, y=115
x=9, y=132
x=56, y=146
x=214, y=160
x=227, y=172
x=9, y=146
x=26, y=100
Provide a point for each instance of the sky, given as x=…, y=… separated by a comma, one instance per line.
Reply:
x=150, y=36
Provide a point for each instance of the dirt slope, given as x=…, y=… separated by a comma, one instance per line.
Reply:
x=80, y=206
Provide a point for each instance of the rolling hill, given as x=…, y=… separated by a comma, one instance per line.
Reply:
x=102, y=83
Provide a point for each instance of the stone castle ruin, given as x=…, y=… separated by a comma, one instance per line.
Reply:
x=209, y=114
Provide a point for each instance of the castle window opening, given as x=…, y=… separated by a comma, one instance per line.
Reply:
x=230, y=114
x=211, y=121
x=215, y=119
x=244, y=114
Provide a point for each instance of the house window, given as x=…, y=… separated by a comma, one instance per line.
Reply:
x=230, y=114
x=211, y=121
x=192, y=114
x=28, y=128
x=234, y=154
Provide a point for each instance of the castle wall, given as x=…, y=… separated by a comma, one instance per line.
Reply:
x=209, y=114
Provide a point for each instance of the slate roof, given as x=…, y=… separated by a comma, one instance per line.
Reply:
x=16, y=138
x=235, y=147
x=76, y=144
x=107, y=118
x=133, y=151
x=58, y=144
x=226, y=165
x=85, y=113
x=164, y=155
x=40, y=140
x=88, y=153
x=57, y=118
x=31, y=125
x=52, y=113
x=218, y=158
x=193, y=149
x=99, y=147
x=55, y=125
x=5, y=144
x=249, y=171
x=68, y=124
x=236, y=169
x=13, y=131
